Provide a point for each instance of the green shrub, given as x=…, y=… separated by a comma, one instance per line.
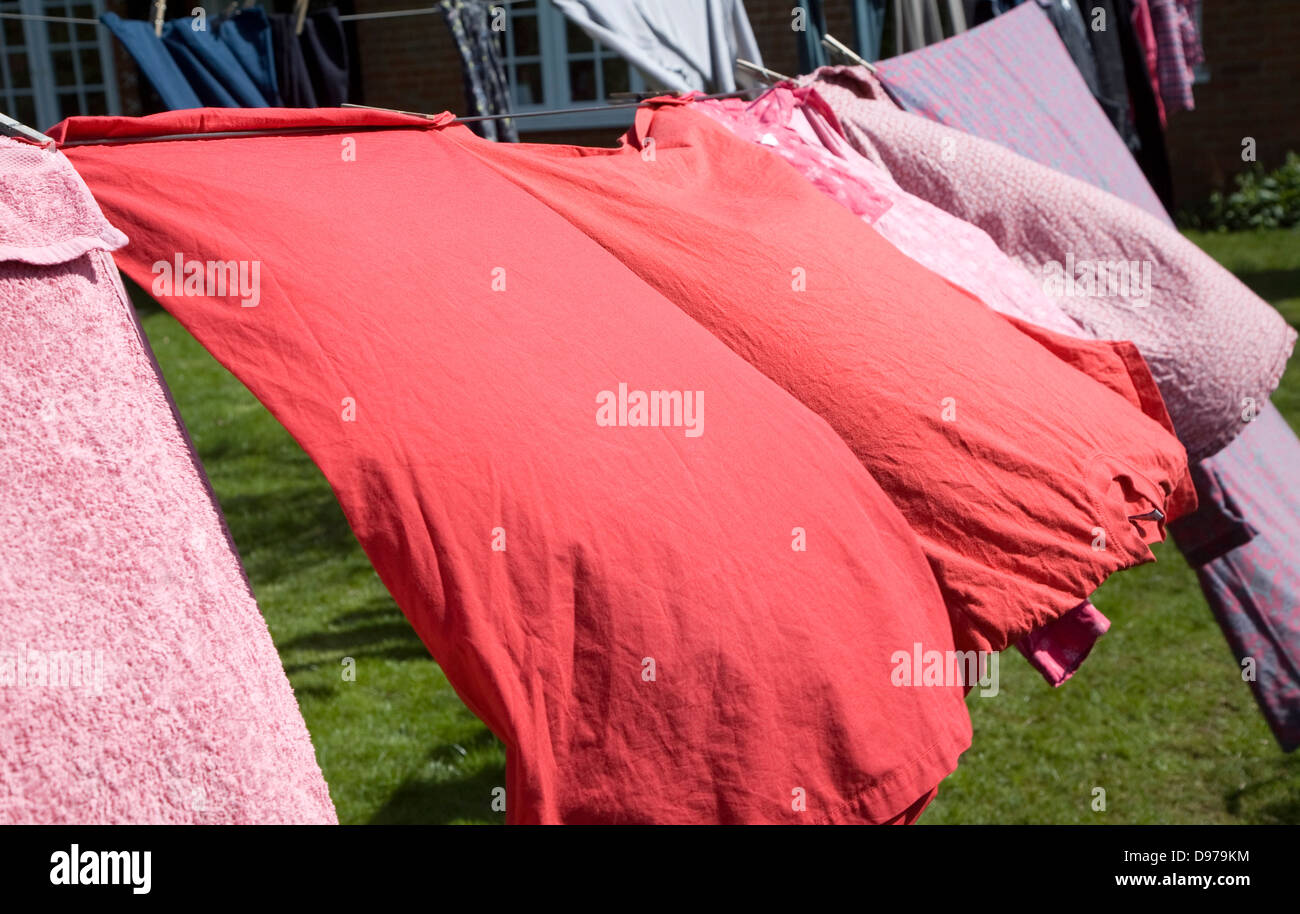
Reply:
x=1259, y=200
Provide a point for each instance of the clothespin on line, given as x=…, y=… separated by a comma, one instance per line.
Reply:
x=299, y=15
x=13, y=128
x=769, y=75
x=833, y=44
x=159, y=11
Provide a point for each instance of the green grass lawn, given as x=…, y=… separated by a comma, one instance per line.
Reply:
x=1158, y=717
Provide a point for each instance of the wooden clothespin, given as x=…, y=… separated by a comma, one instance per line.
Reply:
x=159, y=11
x=834, y=45
x=300, y=15
x=770, y=75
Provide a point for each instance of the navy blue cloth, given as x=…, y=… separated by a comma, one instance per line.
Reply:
x=291, y=71
x=211, y=68
x=155, y=63
x=325, y=51
x=248, y=36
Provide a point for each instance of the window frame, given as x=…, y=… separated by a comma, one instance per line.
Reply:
x=39, y=50
x=554, y=57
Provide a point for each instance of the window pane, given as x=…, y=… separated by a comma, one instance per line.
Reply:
x=85, y=33
x=13, y=30
x=582, y=80
x=59, y=32
x=64, y=73
x=525, y=32
x=26, y=111
x=615, y=70
x=18, y=70
x=578, y=39
x=528, y=84
x=69, y=105
x=90, y=72
x=96, y=103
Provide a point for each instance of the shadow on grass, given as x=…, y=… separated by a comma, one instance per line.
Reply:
x=466, y=798
x=290, y=529
x=380, y=631
x=1273, y=285
x=1246, y=802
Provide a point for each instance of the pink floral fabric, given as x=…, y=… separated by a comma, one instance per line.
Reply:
x=799, y=126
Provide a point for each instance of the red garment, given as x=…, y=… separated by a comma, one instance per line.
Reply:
x=650, y=646
x=1018, y=472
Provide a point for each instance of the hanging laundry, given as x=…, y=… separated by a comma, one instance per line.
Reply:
x=487, y=89
x=800, y=127
x=868, y=28
x=138, y=681
x=1244, y=542
x=325, y=53
x=552, y=551
x=1142, y=110
x=676, y=48
x=808, y=39
x=930, y=388
x=210, y=66
x=983, y=82
x=291, y=73
x=155, y=61
x=1245, y=530
x=1119, y=273
x=1146, y=38
x=918, y=23
x=247, y=33
x=1178, y=50
x=1114, y=67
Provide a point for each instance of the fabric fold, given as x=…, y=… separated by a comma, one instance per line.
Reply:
x=554, y=471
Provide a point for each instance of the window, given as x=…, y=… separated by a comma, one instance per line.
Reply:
x=53, y=70
x=551, y=63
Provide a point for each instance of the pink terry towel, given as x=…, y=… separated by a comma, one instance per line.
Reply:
x=138, y=681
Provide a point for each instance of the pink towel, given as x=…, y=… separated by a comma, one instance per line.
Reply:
x=138, y=681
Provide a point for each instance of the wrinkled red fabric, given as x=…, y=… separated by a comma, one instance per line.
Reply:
x=1019, y=472
x=648, y=642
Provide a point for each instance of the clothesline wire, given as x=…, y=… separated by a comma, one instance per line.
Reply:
x=347, y=128
x=354, y=17
x=550, y=111
x=33, y=18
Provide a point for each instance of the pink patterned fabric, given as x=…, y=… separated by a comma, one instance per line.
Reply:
x=1057, y=650
x=1213, y=346
x=138, y=681
x=799, y=126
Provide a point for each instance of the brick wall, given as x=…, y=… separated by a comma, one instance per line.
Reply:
x=1252, y=49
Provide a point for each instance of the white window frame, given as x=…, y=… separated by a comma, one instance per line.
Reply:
x=553, y=49
x=38, y=49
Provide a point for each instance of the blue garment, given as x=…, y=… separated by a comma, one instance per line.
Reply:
x=155, y=63
x=248, y=36
x=869, y=27
x=211, y=67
